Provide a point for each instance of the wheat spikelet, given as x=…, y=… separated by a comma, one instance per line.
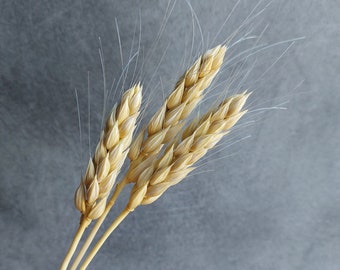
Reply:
x=111, y=151
x=179, y=157
x=169, y=119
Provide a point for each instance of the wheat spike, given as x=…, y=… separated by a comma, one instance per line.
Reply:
x=111, y=151
x=169, y=119
x=179, y=157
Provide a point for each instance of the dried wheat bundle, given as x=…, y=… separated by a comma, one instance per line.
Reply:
x=164, y=125
x=153, y=169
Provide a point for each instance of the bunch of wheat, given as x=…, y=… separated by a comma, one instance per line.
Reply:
x=161, y=154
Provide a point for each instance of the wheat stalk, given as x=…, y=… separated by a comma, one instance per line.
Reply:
x=167, y=122
x=111, y=151
x=178, y=159
x=164, y=125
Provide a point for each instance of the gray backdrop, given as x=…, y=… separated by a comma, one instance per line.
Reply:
x=269, y=201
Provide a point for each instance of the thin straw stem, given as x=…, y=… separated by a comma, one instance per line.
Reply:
x=102, y=239
x=119, y=187
x=82, y=227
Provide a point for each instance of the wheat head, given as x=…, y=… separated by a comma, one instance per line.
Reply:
x=169, y=119
x=179, y=157
x=111, y=151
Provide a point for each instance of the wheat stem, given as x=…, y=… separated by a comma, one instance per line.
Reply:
x=82, y=226
x=94, y=189
x=119, y=188
x=102, y=240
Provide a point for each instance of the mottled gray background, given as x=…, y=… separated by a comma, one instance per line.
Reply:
x=271, y=201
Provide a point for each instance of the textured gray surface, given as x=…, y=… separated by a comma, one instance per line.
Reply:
x=270, y=202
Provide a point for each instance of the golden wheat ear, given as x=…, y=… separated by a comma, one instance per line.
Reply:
x=103, y=168
x=180, y=156
x=169, y=119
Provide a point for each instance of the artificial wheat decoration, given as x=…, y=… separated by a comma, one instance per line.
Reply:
x=178, y=159
x=94, y=189
x=164, y=125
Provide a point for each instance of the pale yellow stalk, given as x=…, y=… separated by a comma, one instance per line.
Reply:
x=94, y=189
x=166, y=123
